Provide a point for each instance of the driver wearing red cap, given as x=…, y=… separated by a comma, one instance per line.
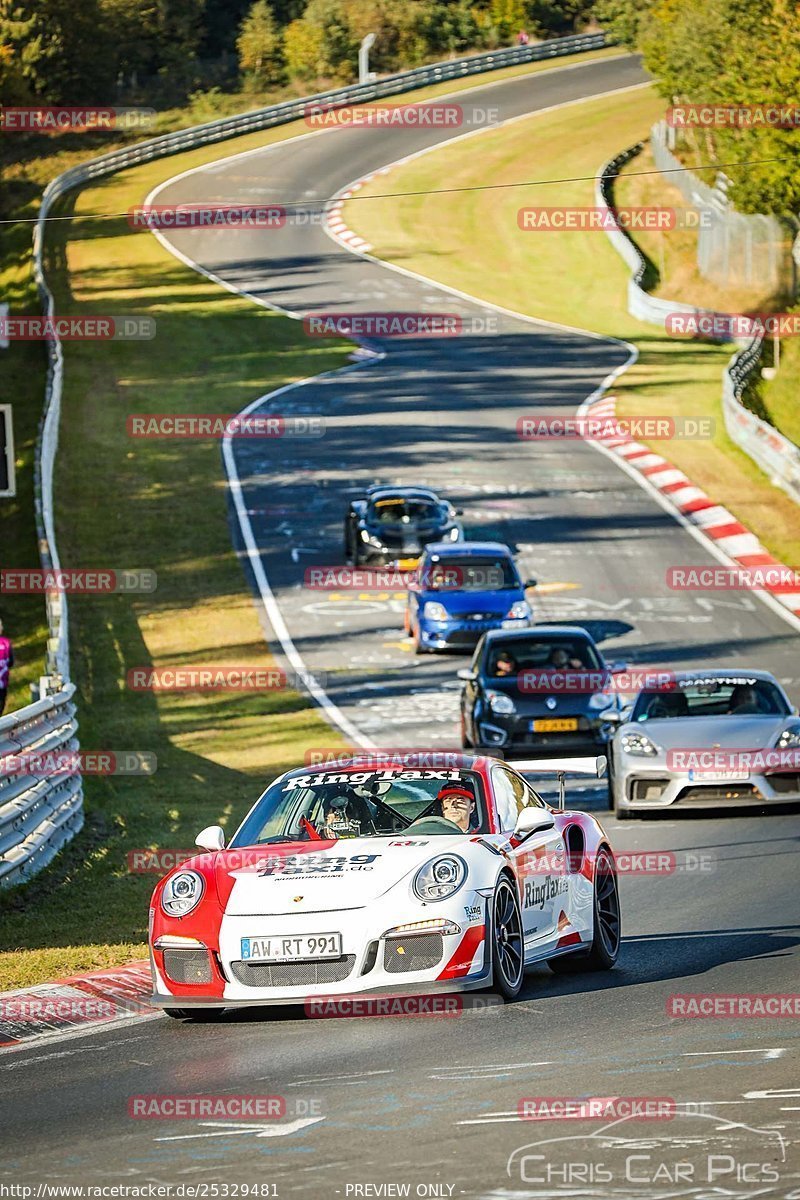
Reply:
x=457, y=804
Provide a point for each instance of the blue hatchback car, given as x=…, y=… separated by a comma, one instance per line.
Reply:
x=461, y=590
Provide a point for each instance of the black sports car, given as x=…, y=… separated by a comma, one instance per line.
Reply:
x=394, y=524
x=542, y=691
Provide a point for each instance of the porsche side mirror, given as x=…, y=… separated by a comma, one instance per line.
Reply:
x=531, y=583
x=459, y=512
x=211, y=838
x=533, y=820
x=611, y=716
x=467, y=674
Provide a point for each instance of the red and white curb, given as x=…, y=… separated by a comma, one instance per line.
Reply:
x=709, y=518
x=78, y=1002
x=337, y=228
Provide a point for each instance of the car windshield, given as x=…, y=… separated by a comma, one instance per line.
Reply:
x=513, y=655
x=332, y=804
x=711, y=697
x=473, y=574
x=404, y=510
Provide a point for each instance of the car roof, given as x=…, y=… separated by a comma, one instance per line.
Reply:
x=378, y=760
x=539, y=631
x=411, y=492
x=468, y=549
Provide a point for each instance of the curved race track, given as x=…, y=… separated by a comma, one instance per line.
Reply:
x=434, y=1103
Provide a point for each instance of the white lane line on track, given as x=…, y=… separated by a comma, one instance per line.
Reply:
x=270, y=604
x=229, y=1129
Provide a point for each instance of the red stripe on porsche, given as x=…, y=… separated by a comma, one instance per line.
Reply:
x=461, y=960
x=569, y=939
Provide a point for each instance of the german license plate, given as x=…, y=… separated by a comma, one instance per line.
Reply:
x=291, y=948
x=718, y=776
x=555, y=725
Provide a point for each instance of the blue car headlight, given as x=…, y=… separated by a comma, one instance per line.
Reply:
x=432, y=610
x=440, y=878
x=520, y=611
x=789, y=738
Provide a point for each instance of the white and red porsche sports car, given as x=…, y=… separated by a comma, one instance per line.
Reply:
x=374, y=878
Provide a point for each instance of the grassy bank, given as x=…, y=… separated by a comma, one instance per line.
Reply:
x=471, y=240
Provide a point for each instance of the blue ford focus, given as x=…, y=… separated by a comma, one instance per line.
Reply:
x=461, y=591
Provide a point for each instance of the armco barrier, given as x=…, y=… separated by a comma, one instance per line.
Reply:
x=38, y=817
x=770, y=450
x=39, y=812
x=773, y=452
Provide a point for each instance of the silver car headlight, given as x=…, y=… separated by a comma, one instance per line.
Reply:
x=789, y=738
x=182, y=893
x=638, y=744
x=500, y=703
x=440, y=878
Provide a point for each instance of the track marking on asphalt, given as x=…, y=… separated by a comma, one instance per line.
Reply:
x=337, y=1078
x=229, y=1129
x=774, y=1052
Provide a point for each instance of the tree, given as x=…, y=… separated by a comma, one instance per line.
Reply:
x=58, y=50
x=621, y=18
x=321, y=44
x=260, y=45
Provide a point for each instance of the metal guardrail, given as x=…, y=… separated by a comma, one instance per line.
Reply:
x=40, y=809
x=641, y=304
x=37, y=818
x=768, y=448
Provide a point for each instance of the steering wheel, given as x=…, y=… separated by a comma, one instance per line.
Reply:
x=432, y=823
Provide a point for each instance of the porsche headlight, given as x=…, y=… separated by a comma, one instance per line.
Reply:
x=455, y=533
x=500, y=703
x=440, y=878
x=371, y=540
x=789, y=738
x=638, y=744
x=182, y=893
x=434, y=611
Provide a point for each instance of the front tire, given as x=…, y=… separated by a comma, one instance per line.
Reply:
x=603, y=952
x=508, y=955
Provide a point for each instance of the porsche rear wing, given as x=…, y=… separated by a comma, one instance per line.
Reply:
x=561, y=767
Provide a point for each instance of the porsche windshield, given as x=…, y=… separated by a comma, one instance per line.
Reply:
x=332, y=804
x=712, y=697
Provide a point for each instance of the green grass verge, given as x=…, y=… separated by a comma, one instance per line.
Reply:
x=471, y=240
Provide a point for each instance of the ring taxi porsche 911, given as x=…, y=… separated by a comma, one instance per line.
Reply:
x=711, y=737
x=373, y=878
